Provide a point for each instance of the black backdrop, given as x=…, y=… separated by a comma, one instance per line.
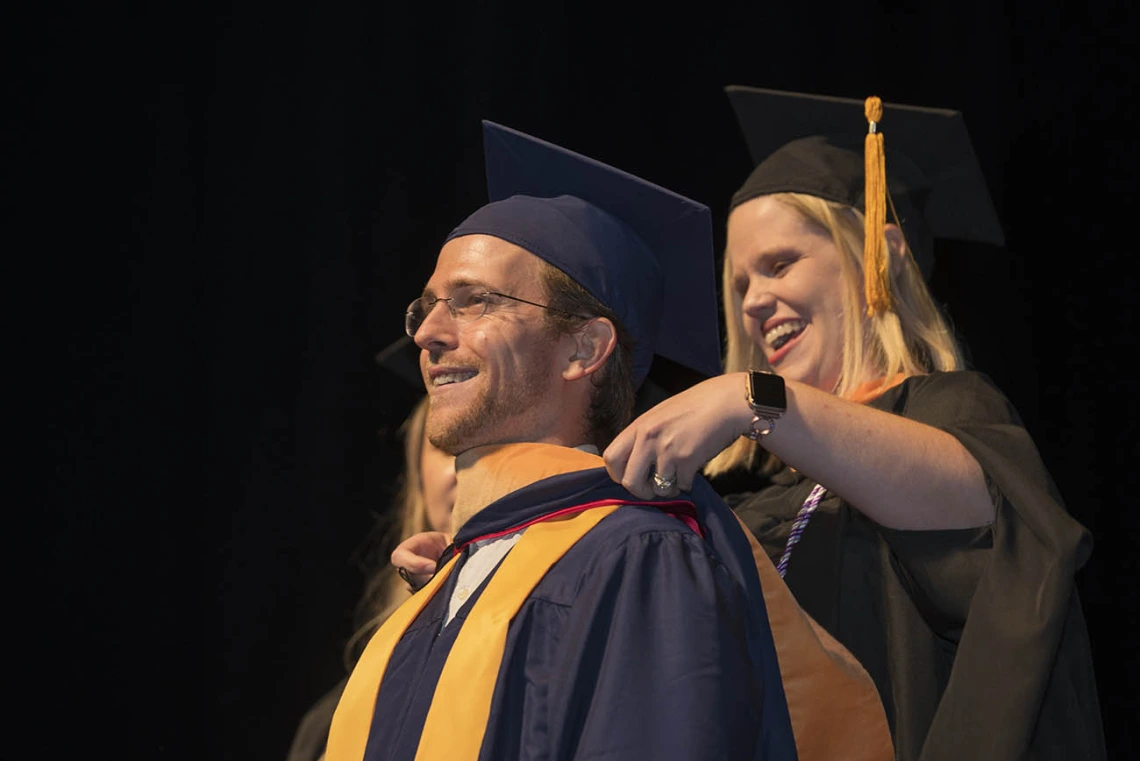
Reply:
x=225, y=211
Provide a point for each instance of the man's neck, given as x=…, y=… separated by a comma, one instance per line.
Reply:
x=488, y=473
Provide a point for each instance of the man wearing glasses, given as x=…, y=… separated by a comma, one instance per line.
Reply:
x=569, y=619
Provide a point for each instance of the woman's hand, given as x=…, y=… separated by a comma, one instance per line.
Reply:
x=416, y=556
x=677, y=437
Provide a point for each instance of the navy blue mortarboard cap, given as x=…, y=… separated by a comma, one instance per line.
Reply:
x=643, y=251
x=813, y=144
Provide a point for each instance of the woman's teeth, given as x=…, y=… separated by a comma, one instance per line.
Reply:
x=782, y=333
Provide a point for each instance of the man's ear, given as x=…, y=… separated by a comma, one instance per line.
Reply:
x=896, y=245
x=593, y=343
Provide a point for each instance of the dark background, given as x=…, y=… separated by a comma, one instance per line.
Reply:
x=217, y=216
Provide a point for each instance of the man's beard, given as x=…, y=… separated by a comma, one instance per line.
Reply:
x=481, y=422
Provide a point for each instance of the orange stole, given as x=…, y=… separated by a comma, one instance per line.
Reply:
x=461, y=704
x=865, y=392
x=834, y=706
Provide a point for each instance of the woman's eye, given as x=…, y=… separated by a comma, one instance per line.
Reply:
x=780, y=266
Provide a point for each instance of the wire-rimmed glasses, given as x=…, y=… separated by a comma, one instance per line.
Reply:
x=465, y=304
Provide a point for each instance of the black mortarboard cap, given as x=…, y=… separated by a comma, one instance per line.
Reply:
x=643, y=251
x=814, y=144
x=402, y=359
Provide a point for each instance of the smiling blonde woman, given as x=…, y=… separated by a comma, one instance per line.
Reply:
x=902, y=499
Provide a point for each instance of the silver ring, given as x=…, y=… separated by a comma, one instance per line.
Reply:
x=663, y=486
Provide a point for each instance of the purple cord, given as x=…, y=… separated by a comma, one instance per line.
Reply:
x=799, y=524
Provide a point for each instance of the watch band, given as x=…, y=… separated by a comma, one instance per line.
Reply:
x=767, y=398
x=760, y=427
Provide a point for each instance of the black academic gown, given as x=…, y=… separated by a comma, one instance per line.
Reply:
x=644, y=640
x=975, y=638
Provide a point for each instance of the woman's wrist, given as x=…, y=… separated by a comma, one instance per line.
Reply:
x=765, y=398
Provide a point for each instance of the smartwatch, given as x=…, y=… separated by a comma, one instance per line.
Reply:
x=768, y=400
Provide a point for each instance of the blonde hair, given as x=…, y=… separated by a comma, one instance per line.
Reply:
x=912, y=338
x=384, y=591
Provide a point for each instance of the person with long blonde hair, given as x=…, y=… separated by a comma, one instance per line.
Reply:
x=422, y=504
x=900, y=495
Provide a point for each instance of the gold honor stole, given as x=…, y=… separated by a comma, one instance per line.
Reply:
x=833, y=704
x=461, y=705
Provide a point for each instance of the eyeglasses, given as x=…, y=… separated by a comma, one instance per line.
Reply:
x=465, y=305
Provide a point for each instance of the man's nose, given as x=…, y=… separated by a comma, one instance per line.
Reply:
x=438, y=329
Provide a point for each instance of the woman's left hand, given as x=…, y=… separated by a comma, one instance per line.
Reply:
x=415, y=557
x=675, y=439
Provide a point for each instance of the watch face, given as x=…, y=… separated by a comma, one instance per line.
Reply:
x=766, y=390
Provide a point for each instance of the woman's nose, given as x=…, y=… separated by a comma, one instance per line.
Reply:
x=758, y=299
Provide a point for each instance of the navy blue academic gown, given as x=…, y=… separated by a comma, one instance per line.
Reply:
x=645, y=640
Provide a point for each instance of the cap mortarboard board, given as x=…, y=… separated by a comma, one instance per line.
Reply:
x=814, y=145
x=402, y=359
x=643, y=251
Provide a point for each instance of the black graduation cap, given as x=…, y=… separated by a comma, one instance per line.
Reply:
x=814, y=144
x=402, y=359
x=643, y=251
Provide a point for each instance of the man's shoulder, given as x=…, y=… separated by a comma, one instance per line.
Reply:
x=636, y=540
x=650, y=517
x=679, y=521
x=633, y=527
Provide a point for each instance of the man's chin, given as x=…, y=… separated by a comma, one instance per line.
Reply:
x=445, y=442
x=454, y=437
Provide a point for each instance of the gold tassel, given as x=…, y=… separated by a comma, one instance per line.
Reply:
x=876, y=268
